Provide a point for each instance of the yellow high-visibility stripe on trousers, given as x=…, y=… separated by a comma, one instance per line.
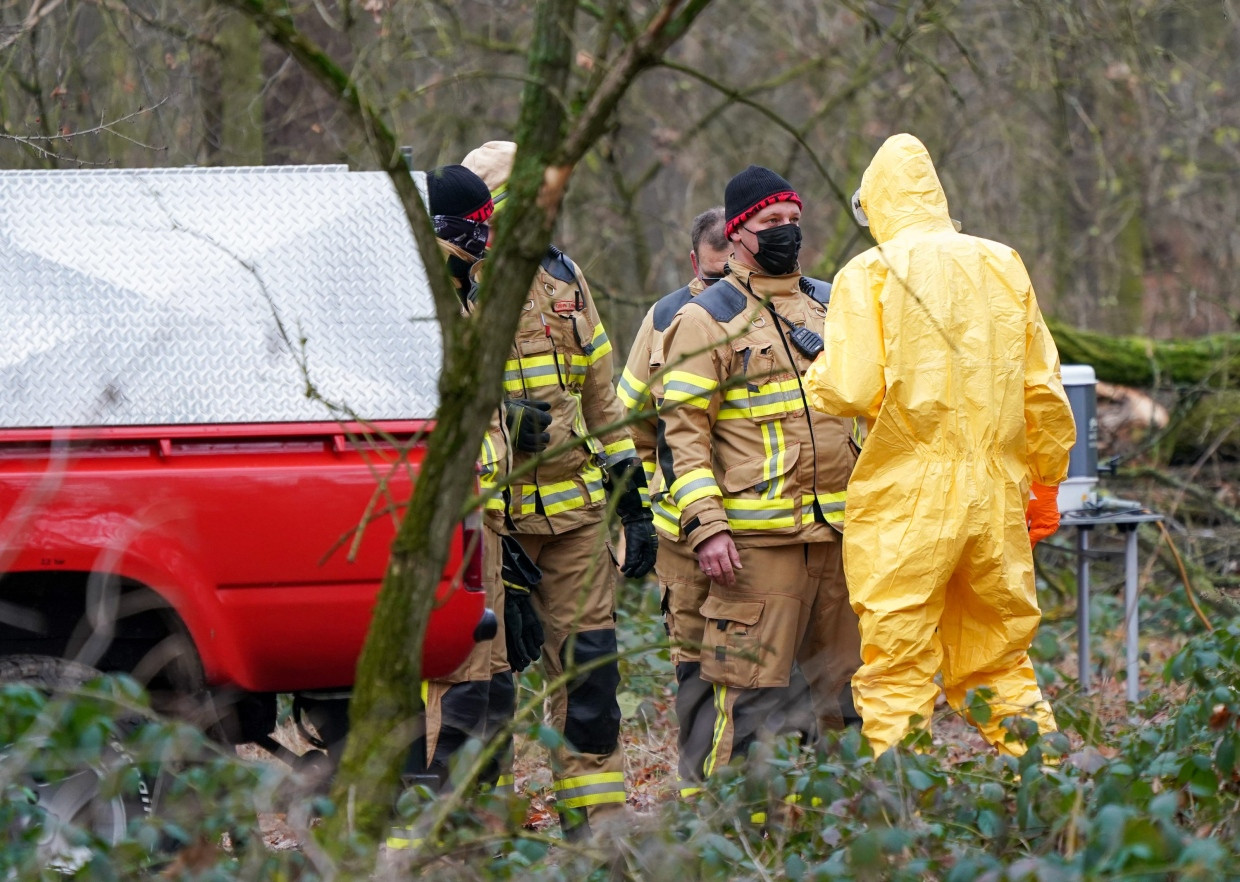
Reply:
x=586, y=790
x=721, y=727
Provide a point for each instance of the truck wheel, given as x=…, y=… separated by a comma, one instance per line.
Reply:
x=71, y=796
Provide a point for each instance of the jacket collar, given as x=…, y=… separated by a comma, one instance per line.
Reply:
x=763, y=286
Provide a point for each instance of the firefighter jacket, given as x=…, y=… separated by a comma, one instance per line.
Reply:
x=495, y=459
x=737, y=449
x=561, y=355
x=641, y=389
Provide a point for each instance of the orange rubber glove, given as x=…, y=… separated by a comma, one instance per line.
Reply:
x=1042, y=515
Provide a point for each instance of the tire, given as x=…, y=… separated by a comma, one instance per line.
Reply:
x=71, y=797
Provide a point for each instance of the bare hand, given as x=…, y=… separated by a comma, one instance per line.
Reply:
x=718, y=558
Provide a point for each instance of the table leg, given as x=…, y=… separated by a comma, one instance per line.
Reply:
x=1082, y=605
x=1131, y=644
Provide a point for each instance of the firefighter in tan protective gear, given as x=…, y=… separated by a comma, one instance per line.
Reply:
x=681, y=581
x=477, y=699
x=758, y=480
x=561, y=359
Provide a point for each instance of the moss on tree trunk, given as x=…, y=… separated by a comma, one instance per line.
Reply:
x=1144, y=362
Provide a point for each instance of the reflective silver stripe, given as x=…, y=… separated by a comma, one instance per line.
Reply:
x=590, y=794
x=620, y=456
x=547, y=370
x=550, y=499
x=628, y=392
x=780, y=396
x=766, y=514
x=681, y=493
x=677, y=389
x=594, y=486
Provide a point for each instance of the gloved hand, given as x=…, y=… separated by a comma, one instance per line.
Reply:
x=1043, y=513
x=523, y=632
x=527, y=422
x=627, y=478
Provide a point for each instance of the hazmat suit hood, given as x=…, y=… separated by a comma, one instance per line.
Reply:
x=900, y=190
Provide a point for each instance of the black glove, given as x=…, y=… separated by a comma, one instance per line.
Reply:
x=527, y=424
x=523, y=632
x=627, y=479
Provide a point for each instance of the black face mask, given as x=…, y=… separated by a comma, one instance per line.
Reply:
x=469, y=236
x=778, y=248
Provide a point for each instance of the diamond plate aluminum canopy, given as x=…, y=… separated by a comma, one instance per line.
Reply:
x=182, y=296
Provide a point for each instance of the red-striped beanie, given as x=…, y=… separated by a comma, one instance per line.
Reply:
x=751, y=191
x=455, y=191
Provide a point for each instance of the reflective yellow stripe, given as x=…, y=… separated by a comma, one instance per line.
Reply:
x=588, y=780
x=759, y=514
x=686, y=792
x=586, y=790
x=632, y=392
x=562, y=496
x=666, y=516
x=681, y=387
x=599, y=345
x=832, y=505
x=618, y=451
x=795, y=799
x=771, y=399
x=695, y=484
x=721, y=723
x=401, y=838
x=537, y=371
x=489, y=455
x=781, y=469
x=649, y=467
x=493, y=499
x=425, y=691
x=773, y=468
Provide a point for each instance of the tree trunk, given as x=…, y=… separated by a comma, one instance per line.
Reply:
x=388, y=679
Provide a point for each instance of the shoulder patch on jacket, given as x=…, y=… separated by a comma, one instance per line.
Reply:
x=817, y=289
x=556, y=263
x=722, y=300
x=668, y=305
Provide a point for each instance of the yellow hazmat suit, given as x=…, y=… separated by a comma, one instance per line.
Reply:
x=936, y=339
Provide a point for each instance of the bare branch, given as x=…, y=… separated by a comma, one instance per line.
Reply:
x=35, y=142
x=39, y=10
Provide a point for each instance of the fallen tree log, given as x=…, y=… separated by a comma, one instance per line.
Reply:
x=1144, y=362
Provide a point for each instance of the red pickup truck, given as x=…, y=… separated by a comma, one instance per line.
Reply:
x=214, y=388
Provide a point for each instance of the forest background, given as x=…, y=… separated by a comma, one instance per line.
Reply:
x=1099, y=139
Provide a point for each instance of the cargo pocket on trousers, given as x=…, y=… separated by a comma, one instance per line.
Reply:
x=731, y=648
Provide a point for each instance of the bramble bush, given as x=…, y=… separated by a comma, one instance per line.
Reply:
x=1151, y=796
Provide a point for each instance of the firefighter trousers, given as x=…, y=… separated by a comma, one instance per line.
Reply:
x=788, y=609
x=576, y=603
x=477, y=700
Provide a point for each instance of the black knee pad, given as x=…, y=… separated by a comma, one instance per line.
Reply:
x=502, y=700
x=593, y=720
x=464, y=706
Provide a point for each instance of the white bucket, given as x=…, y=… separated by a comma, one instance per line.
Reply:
x=1081, y=487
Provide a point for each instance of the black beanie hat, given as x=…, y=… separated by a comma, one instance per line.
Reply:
x=751, y=191
x=455, y=191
